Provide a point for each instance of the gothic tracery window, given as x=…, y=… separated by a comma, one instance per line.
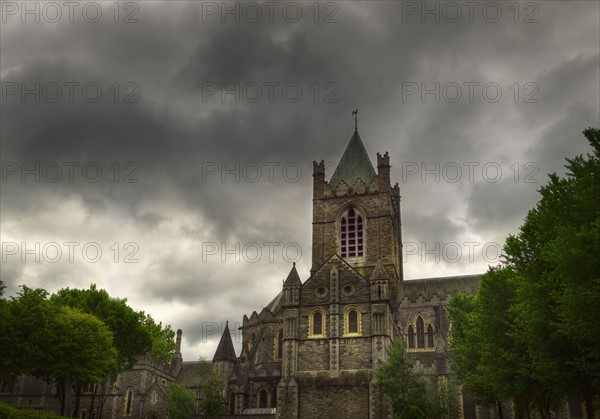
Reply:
x=411, y=337
x=263, y=398
x=351, y=234
x=231, y=403
x=420, y=333
x=430, y=341
x=279, y=344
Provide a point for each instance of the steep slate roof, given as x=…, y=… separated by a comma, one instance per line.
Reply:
x=275, y=303
x=225, y=351
x=354, y=164
x=189, y=376
x=293, y=278
x=440, y=286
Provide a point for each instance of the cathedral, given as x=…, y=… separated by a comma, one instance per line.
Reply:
x=312, y=352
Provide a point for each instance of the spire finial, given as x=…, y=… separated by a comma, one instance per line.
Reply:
x=355, y=115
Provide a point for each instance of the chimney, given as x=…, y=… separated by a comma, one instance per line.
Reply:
x=178, y=342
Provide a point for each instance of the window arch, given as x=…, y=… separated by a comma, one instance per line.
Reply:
x=351, y=234
x=279, y=344
x=316, y=323
x=129, y=401
x=231, y=403
x=411, y=337
x=274, y=397
x=352, y=321
x=430, y=340
x=263, y=398
x=420, y=332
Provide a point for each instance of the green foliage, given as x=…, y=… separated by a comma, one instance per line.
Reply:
x=212, y=405
x=10, y=412
x=135, y=333
x=405, y=389
x=162, y=339
x=80, y=348
x=130, y=337
x=75, y=337
x=30, y=317
x=180, y=402
x=413, y=396
x=531, y=333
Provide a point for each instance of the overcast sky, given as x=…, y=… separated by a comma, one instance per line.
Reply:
x=167, y=134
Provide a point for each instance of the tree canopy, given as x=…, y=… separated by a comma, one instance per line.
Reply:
x=75, y=337
x=412, y=395
x=531, y=333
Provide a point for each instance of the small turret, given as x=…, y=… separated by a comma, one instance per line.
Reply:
x=225, y=351
x=379, y=283
x=225, y=359
x=291, y=288
x=177, y=357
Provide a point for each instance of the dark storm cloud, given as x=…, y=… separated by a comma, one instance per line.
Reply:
x=176, y=129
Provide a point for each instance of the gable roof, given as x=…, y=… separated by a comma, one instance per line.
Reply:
x=379, y=271
x=354, y=164
x=344, y=263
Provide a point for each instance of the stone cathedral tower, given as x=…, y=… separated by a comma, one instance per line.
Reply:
x=338, y=324
x=313, y=351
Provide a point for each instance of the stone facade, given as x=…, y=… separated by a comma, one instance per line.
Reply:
x=315, y=348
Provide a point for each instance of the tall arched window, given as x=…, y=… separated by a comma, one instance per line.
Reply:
x=351, y=234
x=420, y=333
x=411, y=337
x=231, y=403
x=279, y=343
x=263, y=398
x=128, y=400
x=352, y=321
x=317, y=323
x=430, y=342
x=274, y=397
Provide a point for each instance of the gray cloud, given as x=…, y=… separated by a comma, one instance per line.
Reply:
x=176, y=131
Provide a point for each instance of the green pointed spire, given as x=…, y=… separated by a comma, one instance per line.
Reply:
x=354, y=164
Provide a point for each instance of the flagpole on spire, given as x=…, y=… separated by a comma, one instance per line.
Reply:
x=355, y=115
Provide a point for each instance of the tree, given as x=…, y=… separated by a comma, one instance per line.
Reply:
x=404, y=388
x=130, y=337
x=55, y=343
x=29, y=316
x=531, y=331
x=7, y=344
x=162, y=339
x=556, y=252
x=135, y=333
x=180, y=402
x=79, y=351
x=489, y=355
x=212, y=405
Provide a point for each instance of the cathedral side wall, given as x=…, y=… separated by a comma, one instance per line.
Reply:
x=343, y=398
